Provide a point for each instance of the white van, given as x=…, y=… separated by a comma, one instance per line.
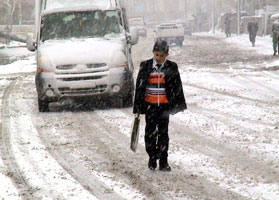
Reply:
x=171, y=32
x=83, y=51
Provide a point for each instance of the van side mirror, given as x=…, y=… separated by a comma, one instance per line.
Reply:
x=134, y=35
x=30, y=42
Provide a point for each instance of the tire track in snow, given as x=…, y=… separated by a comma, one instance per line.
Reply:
x=39, y=168
x=239, y=165
x=260, y=85
x=14, y=171
x=229, y=115
x=224, y=151
x=75, y=147
x=44, y=123
x=111, y=141
x=72, y=165
x=198, y=187
x=227, y=93
x=270, y=74
x=234, y=163
x=223, y=93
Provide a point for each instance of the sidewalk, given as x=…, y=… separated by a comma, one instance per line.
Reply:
x=263, y=46
x=15, y=51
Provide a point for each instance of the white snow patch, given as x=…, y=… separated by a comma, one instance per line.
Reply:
x=120, y=187
x=33, y=157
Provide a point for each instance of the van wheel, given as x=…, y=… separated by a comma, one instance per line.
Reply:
x=128, y=101
x=43, y=106
x=117, y=102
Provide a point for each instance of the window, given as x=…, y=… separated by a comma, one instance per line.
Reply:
x=80, y=24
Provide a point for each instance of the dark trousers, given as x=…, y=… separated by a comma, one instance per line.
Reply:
x=252, y=37
x=156, y=132
x=275, y=42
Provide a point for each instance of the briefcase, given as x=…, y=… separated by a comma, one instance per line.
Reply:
x=135, y=133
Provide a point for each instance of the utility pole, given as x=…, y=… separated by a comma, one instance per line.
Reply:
x=20, y=11
x=9, y=21
x=238, y=16
x=213, y=16
x=185, y=9
x=266, y=19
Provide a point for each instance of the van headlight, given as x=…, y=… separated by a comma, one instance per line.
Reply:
x=44, y=64
x=119, y=60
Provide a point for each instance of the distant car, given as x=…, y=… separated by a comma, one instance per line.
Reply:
x=139, y=23
x=171, y=32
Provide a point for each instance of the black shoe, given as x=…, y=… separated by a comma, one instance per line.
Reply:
x=164, y=166
x=152, y=164
x=274, y=53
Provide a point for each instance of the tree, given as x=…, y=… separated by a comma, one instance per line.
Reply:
x=9, y=5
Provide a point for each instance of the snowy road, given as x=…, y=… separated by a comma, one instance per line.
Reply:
x=225, y=146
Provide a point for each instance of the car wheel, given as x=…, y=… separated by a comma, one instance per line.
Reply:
x=43, y=105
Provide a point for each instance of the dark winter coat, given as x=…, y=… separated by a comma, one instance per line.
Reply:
x=227, y=23
x=275, y=31
x=252, y=28
x=173, y=87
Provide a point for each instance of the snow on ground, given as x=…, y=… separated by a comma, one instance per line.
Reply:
x=7, y=189
x=33, y=158
x=254, y=87
x=29, y=149
x=189, y=158
x=26, y=65
x=263, y=44
x=12, y=50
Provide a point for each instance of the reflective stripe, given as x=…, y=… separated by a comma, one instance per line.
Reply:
x=155, y=90
x=156, y=78
x=155, y=98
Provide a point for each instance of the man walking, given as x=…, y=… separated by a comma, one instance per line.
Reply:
x=252, y=28
x=227, y=23
x=159, y=93
x=275, y=36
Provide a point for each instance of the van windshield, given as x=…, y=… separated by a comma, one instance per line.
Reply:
x=80, y=24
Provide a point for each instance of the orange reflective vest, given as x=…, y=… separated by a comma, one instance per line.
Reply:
x=155, y=90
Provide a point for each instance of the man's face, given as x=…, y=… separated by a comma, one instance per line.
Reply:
x=159, y=56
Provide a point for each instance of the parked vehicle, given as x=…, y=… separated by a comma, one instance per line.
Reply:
x=139, y=23
x=188, y=28
x=187, y=25
x=171, y=32
x=83, y=50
